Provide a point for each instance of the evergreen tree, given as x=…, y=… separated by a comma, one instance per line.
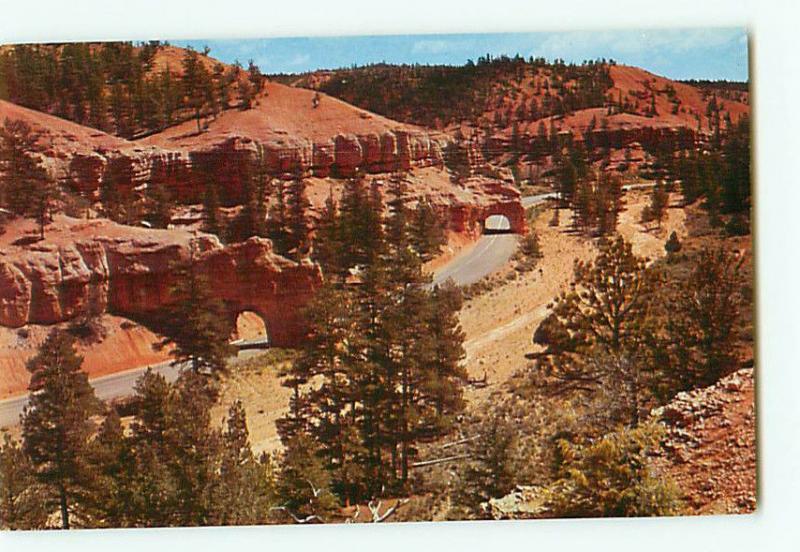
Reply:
x=304, y=483
x=21, y=500
x=112, y=459
x=245, y=490
x=594, y=333
x=428, y=233
x=703, y=312
x=196, y=84
x=252, y=219
x=673, y=244
x=211, y=213
x=151, y=500
x=196, y=325
x=610, y=477
x=159, y=205
x=297, y=218
x=490, y=472
x=192, y=451
x=25, y=187
x=277, y=222
x=656, y=210
x=55, y=424
x=327, y=245
x=736, y=171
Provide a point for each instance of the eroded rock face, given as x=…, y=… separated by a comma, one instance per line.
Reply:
x=132, y=276
x=84, y=157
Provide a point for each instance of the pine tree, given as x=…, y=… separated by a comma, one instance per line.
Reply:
x=594, y=333
x=196, y=325
x=610, y=477
x=297, y=218
x=121, y=111
x=736, y=169
x=159, y=205
x=673, y=244
x=304, y=484
x=196, y=84
x=112, y=459
x=491, y=470
x=657, y=208
x=703, y=313
x=21, y=501
x=428, y=234
x=327, y=245
x=55, y=423
x=252, y=219
x=245, y=491
x=446, y=373
x=193, y=468
x=24, y=185
x=152, y=488
x=277, y=222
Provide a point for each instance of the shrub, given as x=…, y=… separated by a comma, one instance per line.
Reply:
x=737, y=226
x=610, y=477
x=673, y=244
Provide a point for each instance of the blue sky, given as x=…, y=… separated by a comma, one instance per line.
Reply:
x=718, y=53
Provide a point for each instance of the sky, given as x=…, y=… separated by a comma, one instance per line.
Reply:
x=705, y=53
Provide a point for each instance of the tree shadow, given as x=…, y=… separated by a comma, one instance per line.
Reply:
x=27, y=240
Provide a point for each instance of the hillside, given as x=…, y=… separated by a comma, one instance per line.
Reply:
x=502, y=91
x=282, y=111
x=128, y=89
x=510, y=110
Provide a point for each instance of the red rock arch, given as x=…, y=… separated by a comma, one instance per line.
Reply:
x=512, y=210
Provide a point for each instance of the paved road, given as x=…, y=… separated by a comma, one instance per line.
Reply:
x=105, y=387
x=489, y=253
x=116, y=385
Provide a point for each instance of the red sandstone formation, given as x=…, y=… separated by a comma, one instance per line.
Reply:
x=88, y=267
x=333, y=139
x=293, y=136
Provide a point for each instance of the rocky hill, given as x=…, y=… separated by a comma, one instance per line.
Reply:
x=509, y=108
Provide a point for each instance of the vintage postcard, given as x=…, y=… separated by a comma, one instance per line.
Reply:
x=376, y=279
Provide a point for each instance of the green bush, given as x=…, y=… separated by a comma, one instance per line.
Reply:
x=610, y=477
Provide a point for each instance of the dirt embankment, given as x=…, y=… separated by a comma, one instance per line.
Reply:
x=124, y=346
x=710, y=445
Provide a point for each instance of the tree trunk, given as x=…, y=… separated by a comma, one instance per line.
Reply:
x=64, y=509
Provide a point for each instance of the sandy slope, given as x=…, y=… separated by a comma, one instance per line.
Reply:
x=499, y=325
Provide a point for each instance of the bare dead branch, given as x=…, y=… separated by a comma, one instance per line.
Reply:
x=460, y=441
x=439, y=460
x=297, y=519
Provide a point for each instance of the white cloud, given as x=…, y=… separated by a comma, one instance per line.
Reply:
x=439, y=45
x=299, y=59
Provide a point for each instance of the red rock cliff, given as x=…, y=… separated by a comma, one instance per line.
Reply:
x=92, y=267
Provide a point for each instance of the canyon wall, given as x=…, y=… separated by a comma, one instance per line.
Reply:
x=132, y=276
x=226, y=162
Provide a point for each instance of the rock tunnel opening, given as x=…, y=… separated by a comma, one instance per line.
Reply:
x=251, y=329
x=497, y=224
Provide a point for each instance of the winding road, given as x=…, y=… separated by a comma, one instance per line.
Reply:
x=487, y=255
